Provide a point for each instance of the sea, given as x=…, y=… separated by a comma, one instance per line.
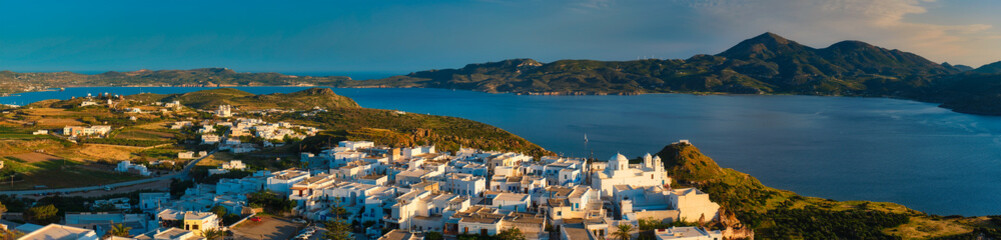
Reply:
x=843, y=148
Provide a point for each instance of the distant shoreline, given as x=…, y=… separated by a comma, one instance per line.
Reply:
x=554, y=94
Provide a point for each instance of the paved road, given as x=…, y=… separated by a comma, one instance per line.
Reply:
x=183, y=174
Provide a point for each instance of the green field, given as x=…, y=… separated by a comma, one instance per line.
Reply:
x=11, y=133
x=54, y=173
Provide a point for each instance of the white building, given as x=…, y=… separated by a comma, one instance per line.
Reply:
x=281, y=182
x=88, y=103
x=241, y=186
x=512, y=201
x=356, y=145
x=694, y=204
x=174, y=104
x=152, y=201
x=127, y=166
x=61, y=232
x=180, y=125
x=687, y=233
x=168, y=234
x=618, y=171
x=102, y=222
x=210, y=139
x=465, y=184
x=224, y=111
x=186, y=155
x=234, y=165
x=74, y=131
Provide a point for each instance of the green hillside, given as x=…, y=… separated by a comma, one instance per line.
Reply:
x=409, y=129
x=780, y=214
x=210, y=99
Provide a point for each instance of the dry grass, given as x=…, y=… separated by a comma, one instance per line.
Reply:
x=216, y=159
x=57, y=122
x=144, y=135
x=48, y=112
x=115, y=153
x=923, y=227
x=8, y=147
x=34, y=157
x=154, y=126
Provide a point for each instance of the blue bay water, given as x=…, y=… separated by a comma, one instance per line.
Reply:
x=843, y=148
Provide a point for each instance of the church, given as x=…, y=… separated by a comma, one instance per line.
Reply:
x=618, y=171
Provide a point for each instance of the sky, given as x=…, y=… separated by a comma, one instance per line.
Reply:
x=406, y=36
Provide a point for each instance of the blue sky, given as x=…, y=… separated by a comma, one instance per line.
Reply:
x=404, y=36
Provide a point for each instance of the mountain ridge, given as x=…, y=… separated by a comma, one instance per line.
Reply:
x=764, y=64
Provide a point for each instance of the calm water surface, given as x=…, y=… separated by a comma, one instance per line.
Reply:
x=917, y=154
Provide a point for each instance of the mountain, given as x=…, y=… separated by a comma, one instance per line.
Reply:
x=993, y=68
x=960, y=67
x=767, y=63
x=764, y=64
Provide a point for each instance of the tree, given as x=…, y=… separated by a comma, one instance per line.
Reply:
x=623, y=232
x=219, y=211
x=337, y=210
x=213, y=234
x=120, y=230
x=3, y=208
x=338, y=229
x=42, y=215
x=272, y=202
x=512, y=233
x=10, y=234
x=432, y=235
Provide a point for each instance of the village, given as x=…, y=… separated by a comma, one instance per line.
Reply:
x=415, y=192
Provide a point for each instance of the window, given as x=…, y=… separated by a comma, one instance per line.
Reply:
x=483, y=232
x=465, y=230
x=194, y=227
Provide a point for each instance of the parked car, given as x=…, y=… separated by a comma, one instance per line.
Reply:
x=255, y=219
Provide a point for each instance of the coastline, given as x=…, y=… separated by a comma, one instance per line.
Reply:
x=555, y=93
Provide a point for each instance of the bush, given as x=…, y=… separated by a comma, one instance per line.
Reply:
x=42, y=215
x=814, y=223
x=271, y=202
